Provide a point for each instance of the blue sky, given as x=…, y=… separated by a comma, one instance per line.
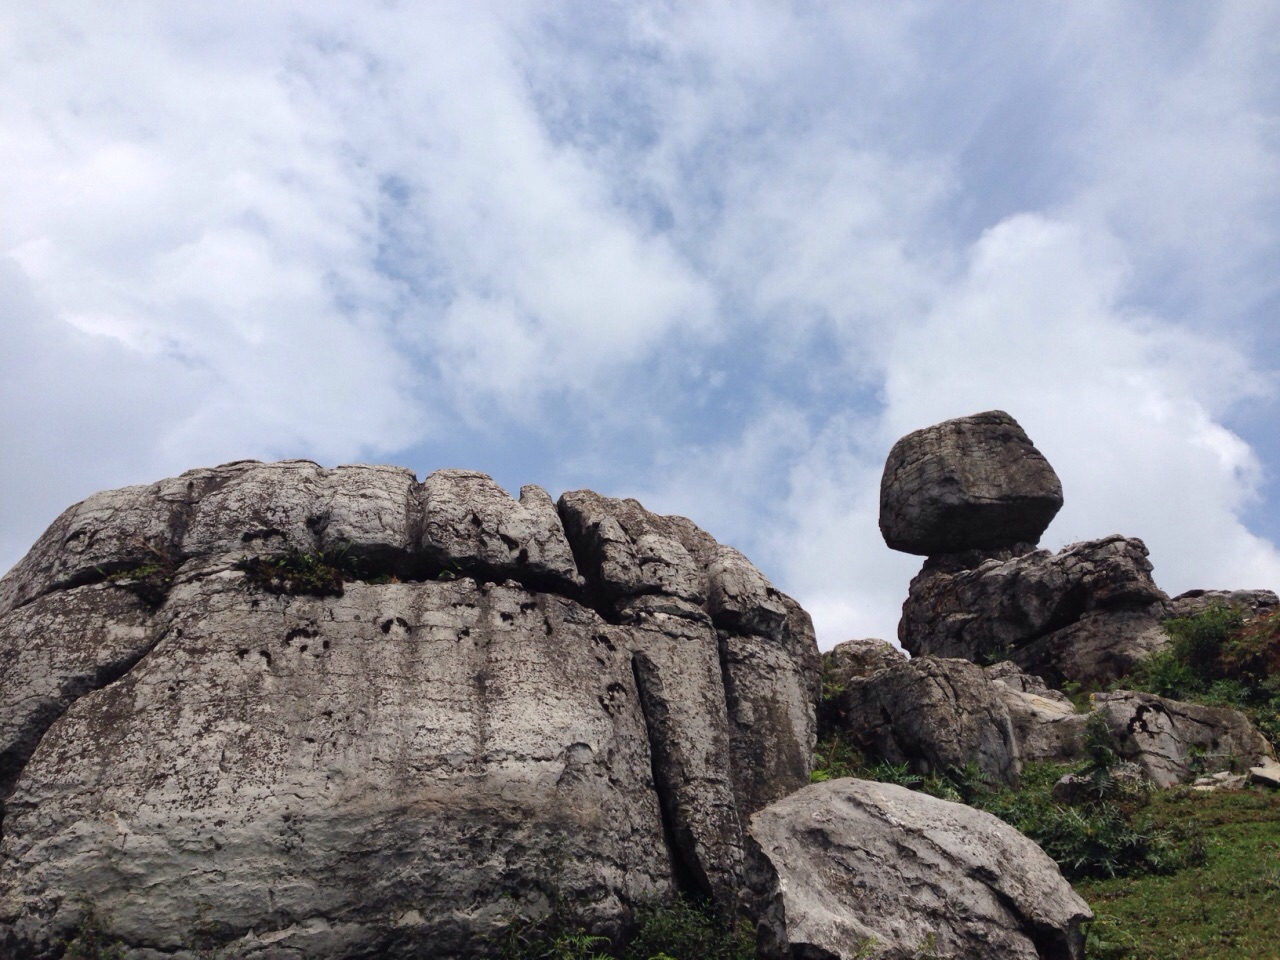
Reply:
x=717, y=256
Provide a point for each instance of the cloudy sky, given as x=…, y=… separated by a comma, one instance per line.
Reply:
x=717, y=256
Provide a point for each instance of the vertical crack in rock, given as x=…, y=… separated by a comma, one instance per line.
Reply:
x=689, y=879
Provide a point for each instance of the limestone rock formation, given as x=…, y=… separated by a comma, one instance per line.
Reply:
x=1087, y=613
x=315, y=713
x=940, y=716
x=933, y=714
x=851, y=868
x=974, y=483
x=1255, y=603
x=1173, y=742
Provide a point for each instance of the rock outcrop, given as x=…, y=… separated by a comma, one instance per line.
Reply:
x=1254, y=603
x=851, y=868
x=935, y=715
x=974, y=483
x=1174, y=742
x=315, y=713
x=1087, y=613
x=944, y=716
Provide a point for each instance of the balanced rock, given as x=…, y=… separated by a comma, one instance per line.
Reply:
x=854, y=869
x=1087, y=613
x=974, y=483
x=310, y=713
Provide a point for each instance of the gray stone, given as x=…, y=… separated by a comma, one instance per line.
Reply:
x=1087, y=613
x=1174, y=742
x=399, y=770
x=58, y=648
x=1254, y=603
x=1266, y=773
x=1046, y=724
x=973, y=483
x=850, y=868
x=470, y=523
x=623, y=550
x=408, y=759
x=859, y=658
x=935, y=715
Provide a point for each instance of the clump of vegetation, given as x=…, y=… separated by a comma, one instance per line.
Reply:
x=664, y=930
x=1219, y=658
x=92, y=940
x=150, y=581
x=318, y=574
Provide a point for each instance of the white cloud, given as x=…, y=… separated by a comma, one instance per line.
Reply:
x=718, y=255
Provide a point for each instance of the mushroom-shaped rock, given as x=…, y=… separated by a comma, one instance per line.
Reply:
x=973, y=483
x=852, y=868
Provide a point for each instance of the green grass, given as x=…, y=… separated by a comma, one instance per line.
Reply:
x=1226, y=908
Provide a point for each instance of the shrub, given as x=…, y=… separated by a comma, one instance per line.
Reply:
x=1219, y=658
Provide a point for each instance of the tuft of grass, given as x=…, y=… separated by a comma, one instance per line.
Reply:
x=664, y=930
x=93, y=940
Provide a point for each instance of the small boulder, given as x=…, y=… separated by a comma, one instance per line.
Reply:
x=962, y=883
x=1267, y=773
x=859, y=658
x=974, y=483
x=936, y=715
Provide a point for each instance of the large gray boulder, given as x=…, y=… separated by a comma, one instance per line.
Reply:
x=973, y=483
x=465, y=711
x=1087, y=613
x=851, y=868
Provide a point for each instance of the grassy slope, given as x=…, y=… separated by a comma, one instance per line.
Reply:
x=1226, y=909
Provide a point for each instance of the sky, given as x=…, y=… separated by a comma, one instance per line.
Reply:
x=717, y=256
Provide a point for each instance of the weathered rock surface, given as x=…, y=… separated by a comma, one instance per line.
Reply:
x=850, y=868
x=935, y=715
x=1087, y=613
x=1046, y=724
x=497, y=709
x=1253, y=602
x=1173, y=742
x=854, y=659
x=973, y=483
x=939, y=716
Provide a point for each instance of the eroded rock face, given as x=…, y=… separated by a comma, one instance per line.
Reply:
x=973, y=483
x=1174, y=742
x=935, y=715
x=962, y=884
x=491, y=709
x=1087, y=613
x=1254, y=603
